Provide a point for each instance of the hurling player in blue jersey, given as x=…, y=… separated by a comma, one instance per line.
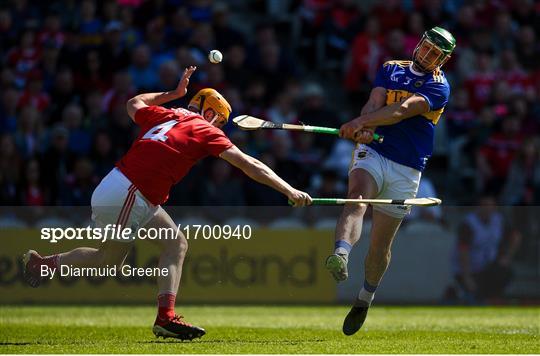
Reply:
x=404, y=106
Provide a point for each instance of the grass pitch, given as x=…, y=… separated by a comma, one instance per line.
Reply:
x=280, y=329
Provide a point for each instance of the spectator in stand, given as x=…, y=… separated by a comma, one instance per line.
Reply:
x=141, y=71
x=120, y=92
x=29, y=136
x=52, y=33
x=482, y=258
x=495, y=157
x=34, y=95
x=215, y=78
x=221, y=188
x=63, y=93
x=49, y=65
x=155, y=39
x=522, y=185
x=465, y=25
x=282, y=110
x=57, y=162
x=340, y=27
x=286, y=166
x=79, y=185
x=201, y=42
x=434, y=13
x=94, y=113
x=258, y=194
x=225, y=34
x=8, y=34
x=460, y=119
x=131, y=35
x=394, y=46
x=528, y=48
x=271, y=59
x=364, y=59
x=480, y=82
x=79, y=137
x=313, y=111
x=24, y=58
x=110, y=10
x=503, y=36
x=180, y=29
x=511, y=72
x=389, y=14
x=89, y=26
x=92, y=74
x=113, y=55
x=33, y=191
x=103, y=155
x=415, y=30
x=10, y=163
x=8, y=110
x=236, y=71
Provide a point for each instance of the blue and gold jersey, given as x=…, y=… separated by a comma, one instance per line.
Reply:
x=410, y=141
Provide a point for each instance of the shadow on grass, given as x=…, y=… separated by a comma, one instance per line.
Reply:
x=17, y=343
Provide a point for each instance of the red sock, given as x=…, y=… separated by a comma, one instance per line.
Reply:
x=166, y=306
x=50, y=261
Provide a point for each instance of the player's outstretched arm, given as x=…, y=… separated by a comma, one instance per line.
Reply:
x=386, y=115
x=149, y=99
x=261, y=173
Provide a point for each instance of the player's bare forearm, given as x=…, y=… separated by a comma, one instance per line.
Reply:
x=386, y=115
x=150, y=99
x=394, y=113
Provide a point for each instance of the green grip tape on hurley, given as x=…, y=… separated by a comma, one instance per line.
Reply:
x=332, y=131
x=321, y=201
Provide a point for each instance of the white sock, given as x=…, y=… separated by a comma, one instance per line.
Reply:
x=366, y=296
x=342, y=251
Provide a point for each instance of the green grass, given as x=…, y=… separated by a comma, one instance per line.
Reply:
x=287, y=329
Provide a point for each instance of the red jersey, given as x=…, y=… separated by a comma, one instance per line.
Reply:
x=170, y=143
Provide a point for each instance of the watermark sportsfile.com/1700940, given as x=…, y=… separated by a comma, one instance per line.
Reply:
x=119, y=233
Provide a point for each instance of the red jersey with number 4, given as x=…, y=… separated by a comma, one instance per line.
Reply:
x=170, y=143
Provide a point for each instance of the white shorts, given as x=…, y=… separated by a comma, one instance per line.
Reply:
x=394, y=180
x=116, y=201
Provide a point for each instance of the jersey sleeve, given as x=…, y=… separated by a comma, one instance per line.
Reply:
x=382, y=76
x=436, y=94
x=213, y=140
x=150, y=115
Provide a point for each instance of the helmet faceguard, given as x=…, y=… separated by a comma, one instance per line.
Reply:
x=434, y=49
x=211, y=105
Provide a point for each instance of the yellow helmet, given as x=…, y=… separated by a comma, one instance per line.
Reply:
x=209, y=98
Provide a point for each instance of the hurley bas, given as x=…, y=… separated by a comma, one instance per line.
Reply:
x=107, y=271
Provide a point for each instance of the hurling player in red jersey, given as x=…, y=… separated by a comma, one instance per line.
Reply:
x=170, y=142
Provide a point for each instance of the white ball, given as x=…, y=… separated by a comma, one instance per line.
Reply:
x=215, y=56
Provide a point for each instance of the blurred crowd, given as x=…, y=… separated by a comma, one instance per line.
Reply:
x=68, y=67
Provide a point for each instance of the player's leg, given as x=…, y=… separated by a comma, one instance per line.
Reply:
x=401, y=182
x=172, y=254
x=112, y=204
x=110, y=253
x=364, y=182
x=382, y=235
